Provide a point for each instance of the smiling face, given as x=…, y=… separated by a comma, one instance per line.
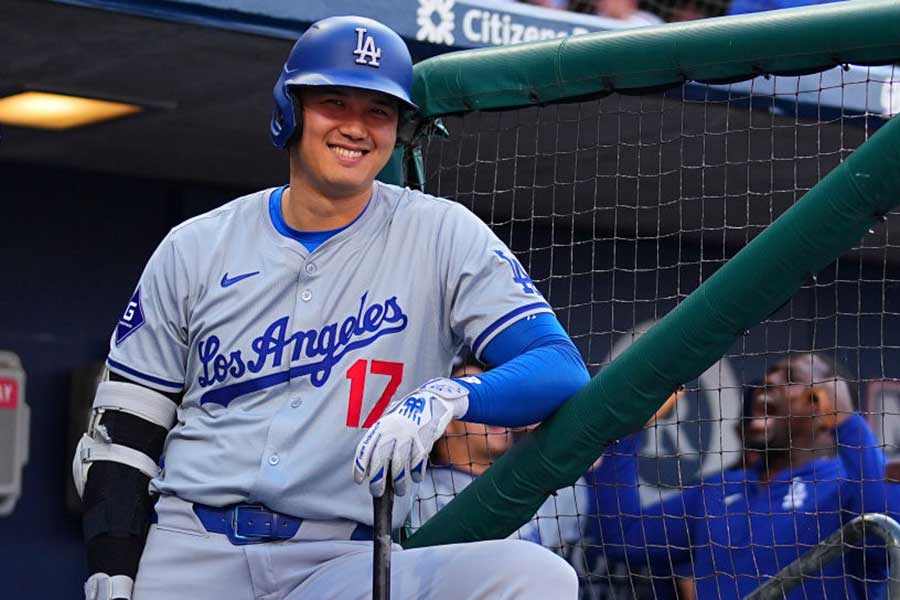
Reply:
x=779, y=414
x=787, y=412
x=347, y=138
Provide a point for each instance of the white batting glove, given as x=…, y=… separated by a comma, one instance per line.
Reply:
x=398, y=444
x=101, y=586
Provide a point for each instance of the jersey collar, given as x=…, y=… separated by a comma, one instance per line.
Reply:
x=310, y=240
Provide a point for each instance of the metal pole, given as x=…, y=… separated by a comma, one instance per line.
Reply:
x=852, y=533
x=381, y=564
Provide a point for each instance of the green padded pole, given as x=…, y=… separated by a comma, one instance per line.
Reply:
x=827, y=222
x=405, y=166
x=393, y=170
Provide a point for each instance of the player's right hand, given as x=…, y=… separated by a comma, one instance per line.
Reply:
x=398, y=444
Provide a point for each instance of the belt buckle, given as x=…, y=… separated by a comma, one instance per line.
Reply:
x=235, y=516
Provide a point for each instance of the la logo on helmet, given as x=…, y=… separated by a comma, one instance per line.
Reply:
x=366, y=51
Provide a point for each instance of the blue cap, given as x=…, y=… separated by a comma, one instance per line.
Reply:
x=353, y=52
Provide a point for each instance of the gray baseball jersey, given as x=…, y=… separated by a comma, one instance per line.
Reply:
x=284, y=356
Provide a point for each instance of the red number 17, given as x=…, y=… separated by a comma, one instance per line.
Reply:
x=357, y=376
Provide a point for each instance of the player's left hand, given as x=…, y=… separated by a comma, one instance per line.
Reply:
x=398, y=444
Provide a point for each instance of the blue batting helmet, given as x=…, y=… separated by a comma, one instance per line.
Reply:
x=347, y=51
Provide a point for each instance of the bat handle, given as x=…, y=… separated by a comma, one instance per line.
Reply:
x=381, y=565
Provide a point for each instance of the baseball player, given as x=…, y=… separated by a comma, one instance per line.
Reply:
x=286, y=353
x=819, y=466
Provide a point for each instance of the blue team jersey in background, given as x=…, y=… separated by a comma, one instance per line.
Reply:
x=732, y=532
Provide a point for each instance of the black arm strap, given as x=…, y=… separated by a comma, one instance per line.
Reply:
x=118, y=509
x=118, y=506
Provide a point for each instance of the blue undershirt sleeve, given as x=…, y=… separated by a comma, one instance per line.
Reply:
x=655, y=535
x=535, y=368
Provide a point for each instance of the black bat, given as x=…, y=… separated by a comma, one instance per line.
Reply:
x=381, y=565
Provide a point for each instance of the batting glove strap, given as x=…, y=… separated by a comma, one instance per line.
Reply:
x=101, y=586
x=451, y=392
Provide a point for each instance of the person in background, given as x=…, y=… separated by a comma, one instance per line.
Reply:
x=819, y=467
x=629, y=12
x=557, y=4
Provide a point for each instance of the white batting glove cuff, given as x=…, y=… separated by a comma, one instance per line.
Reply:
x=398, y=444
x=101, y=586
x=451, y=392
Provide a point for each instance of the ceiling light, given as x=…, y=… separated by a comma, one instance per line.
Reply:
x=44, y=110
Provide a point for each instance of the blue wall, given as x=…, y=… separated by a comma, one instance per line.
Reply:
x=73, y=246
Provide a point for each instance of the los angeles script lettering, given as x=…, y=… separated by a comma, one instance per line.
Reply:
x=329, y=344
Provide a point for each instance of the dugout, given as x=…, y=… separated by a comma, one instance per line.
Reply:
x=83, y=211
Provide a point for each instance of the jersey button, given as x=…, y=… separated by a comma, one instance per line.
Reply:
x=274, y=460
x=306, y=295
x=311, y=268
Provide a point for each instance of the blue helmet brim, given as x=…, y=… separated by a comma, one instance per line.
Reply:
x=351, y=79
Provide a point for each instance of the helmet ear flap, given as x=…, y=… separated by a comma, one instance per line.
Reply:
x=286, y=116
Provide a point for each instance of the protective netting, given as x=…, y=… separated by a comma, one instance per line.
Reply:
x=619, y=208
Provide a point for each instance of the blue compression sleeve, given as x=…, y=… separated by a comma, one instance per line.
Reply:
x=536, y=369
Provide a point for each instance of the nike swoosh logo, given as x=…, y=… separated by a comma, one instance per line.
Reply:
x=226, y=281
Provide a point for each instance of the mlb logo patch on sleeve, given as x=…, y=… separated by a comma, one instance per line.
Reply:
x=132, y=319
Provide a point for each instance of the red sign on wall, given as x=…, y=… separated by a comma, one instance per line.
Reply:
x=9, y=393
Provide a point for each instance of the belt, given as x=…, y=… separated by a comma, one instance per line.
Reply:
x=254, y=524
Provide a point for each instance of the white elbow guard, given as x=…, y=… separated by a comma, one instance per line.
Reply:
x=96, y=444
x=101, y=586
